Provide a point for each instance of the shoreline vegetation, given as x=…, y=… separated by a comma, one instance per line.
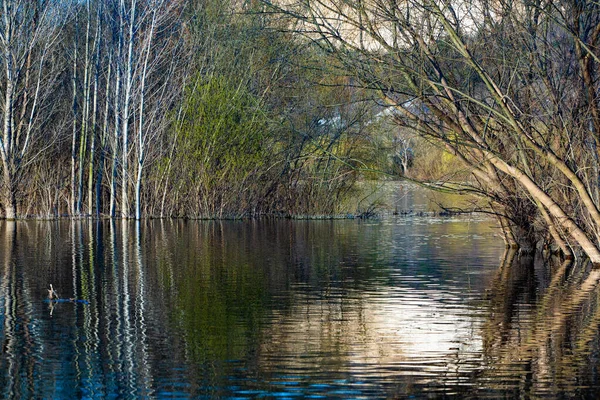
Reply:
x=364, y=215
x=385, y=204
x=136, y=109
x=377, y=200
x=200, y=109
x=139, y=109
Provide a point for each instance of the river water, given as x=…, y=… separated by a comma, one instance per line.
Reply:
x=385, y=308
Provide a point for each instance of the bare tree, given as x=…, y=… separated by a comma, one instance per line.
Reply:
x=143, y=33
x=162, y=60
x=500, y=84
x=29, y=31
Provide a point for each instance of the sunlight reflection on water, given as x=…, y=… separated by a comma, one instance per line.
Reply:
x=283, y=309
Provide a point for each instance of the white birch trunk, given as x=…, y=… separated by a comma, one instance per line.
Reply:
x=141, y=138
x=125, y=119
x=94, y=136
x=85, y=114
x=8, y=195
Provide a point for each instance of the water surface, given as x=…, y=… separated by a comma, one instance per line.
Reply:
x=396, y=307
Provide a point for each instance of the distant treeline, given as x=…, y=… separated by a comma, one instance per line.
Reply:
x=172, y=108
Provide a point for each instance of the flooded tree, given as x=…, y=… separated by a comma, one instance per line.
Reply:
x=507, y=87
x=29, y=33
x=139, y=108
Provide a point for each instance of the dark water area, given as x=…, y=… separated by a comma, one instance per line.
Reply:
x=390, y=308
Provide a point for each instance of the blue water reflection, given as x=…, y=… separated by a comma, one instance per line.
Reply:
x=268, y=309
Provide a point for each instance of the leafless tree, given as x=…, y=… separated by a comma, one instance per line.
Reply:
x=502, y=85
x=29, y=31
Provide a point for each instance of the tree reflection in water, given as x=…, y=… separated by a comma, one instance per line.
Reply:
x=543, y=334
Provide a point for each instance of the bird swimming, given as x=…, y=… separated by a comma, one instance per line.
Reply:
x=52, y=295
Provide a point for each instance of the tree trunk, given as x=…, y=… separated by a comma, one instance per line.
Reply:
x=91, y=166
x=141, y=138
x=115, y=150
x=126, y=104
x=85, y=113
x=93, y=147
x=103, y=141
x=73, y=202
x=138, y=191
x=8, y=194
x=554, y=210
x=9, y=201
x=507, y=232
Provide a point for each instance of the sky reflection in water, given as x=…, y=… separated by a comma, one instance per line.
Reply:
x=284, y=309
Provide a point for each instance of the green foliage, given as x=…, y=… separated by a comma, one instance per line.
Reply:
x=223, y=146
x=265, y=127
x=226, y=122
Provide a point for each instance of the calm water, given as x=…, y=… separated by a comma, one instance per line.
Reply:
x=390, y=308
